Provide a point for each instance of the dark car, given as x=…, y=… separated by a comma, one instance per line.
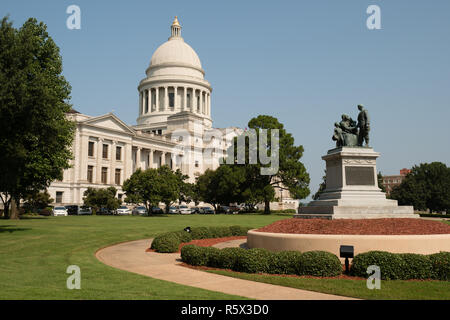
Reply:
x=105, y=211
x=224, y=209
x=72, y=209
x=157, y=210
x=206, y=210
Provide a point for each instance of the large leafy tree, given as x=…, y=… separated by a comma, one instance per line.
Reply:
x=427, y=186
x=143, y=187
x=152, y=186
x=101, y=198
x=35, y=135
x=291, y=174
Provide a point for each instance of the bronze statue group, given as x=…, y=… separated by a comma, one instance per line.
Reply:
x=349, y=133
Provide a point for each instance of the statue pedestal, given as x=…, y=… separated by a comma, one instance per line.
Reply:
x=352, y=189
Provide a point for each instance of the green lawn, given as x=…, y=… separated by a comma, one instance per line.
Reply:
x=393, y=289
x=35, y=253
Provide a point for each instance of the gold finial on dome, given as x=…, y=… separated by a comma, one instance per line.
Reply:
x=175, y=22
x=176, y=29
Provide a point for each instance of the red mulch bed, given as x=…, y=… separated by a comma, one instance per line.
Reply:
x=205, y=242
x=393, y=226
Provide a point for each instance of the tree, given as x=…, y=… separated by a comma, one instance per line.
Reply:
x=35, y=135
x=37, y=200
x=322, y=187
x=143, y=187
x=380, y=182
x=169, y=185
x=101, y=198
x=291, y=174
x=153, y=186
x=427, y=186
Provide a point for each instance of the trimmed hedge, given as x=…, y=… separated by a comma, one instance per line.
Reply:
x=170, y=241
x=440, y=266
x=403, y=266
x=315, y=263
x=320, y=264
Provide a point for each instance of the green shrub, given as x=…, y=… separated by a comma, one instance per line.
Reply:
x=200, y=233
x=440, y=266
x=253, y=261
x=220, y=232
x=391, y=265
x=415, y=266
x=228, y=257
x=195, y=255
x=285, y=262
x=166, y=243
x=319, y=263
x=238, y=230
x=183, y=236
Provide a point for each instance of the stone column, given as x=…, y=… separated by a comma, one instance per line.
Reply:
x=163, y=158
x=141, y=100
x=175, y=99
x=184, y=106
x=112, y=174
x=193, y=107
x=166, y=98
x=98, y=177
x=150, y=158
x=209, y=104
x=157, y=99
x=138, y=158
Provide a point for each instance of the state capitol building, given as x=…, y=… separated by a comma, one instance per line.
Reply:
x=174, y=128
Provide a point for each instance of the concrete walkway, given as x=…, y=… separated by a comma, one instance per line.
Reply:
x=131, y=256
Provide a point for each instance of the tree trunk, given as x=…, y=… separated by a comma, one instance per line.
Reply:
x=266, y=207
x=14, y=210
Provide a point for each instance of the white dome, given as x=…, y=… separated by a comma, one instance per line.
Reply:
x=175, y=52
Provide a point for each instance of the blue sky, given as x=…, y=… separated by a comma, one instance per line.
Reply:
x=304, y=62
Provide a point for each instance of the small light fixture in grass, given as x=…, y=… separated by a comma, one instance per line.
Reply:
x=346, y=252
x=187, y=229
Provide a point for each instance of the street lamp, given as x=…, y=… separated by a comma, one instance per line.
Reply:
x=346, y=252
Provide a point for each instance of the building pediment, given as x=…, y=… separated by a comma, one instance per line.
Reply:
x=111, y=122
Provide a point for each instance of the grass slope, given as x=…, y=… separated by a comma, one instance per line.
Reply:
x=35, y=253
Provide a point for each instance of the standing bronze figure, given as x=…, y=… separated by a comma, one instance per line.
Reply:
x=363, y=126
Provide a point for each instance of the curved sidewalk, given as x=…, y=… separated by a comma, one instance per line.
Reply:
x=131, y=256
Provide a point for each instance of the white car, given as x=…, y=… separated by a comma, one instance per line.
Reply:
x=123, y=210
x=184, y=210
x=60, y=211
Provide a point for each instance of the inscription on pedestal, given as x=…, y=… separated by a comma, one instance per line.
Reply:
x=361, y=176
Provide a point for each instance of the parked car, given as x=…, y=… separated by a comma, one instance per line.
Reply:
x=84, y=210
x=60, y=211
x=185, y=210
x=196, y=210
x=105, y=211
x=206, y=210
x=174, y=209
x=140, y=210
x=123, y=210
x=157, y=210
x=72, y=209
x=224, y=209
x=235, y=209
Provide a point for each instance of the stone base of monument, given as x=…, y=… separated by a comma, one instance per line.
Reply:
x=352, y=189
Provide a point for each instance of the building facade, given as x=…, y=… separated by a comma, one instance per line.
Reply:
x=389, y=182
x=174, y=127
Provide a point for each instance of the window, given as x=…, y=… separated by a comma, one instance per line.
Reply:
x=196, y=164
x=59, y=196
x=105, y=151
x=104, y=174
x=171, y=99
x=91, y=149
x=90, y=174
x=117, y=176
x=119, y=196
x=118, y=153
x=198, y=104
